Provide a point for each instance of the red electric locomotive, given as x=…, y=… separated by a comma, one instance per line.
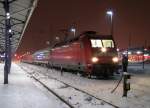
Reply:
x=89, y=53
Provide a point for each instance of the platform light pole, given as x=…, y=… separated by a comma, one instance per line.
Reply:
x=7, y=44
x=8, y=35
x=110, y=13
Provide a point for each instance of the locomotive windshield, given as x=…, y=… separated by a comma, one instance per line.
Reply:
x=98, y=43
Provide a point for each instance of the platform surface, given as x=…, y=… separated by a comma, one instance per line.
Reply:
x=21, y=92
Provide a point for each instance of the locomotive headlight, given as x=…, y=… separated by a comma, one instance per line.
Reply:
x=115, y=59
x=103, y=49
x=94, y=59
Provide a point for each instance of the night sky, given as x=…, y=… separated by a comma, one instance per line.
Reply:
x=131, y=19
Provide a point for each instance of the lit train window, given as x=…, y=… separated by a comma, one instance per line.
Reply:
x=97, y=43
x=108, y=43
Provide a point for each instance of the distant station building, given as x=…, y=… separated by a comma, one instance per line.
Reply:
x=136, y=55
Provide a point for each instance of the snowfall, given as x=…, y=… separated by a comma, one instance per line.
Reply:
x=138, y=96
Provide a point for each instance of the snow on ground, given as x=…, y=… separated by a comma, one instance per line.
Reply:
x=138, y=96
x=21, y=92
x=77, y=98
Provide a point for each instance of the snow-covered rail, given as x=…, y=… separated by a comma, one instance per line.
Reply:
x=50, y=90
x=72, y=96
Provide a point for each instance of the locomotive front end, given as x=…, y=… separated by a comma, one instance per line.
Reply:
x=104, y=56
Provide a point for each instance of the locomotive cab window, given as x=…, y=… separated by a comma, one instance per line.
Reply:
x=98, y=43
x=108, y=43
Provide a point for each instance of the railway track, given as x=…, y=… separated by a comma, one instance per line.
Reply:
x=50, y=90
x=67, y=85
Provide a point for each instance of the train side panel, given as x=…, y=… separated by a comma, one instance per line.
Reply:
x=41, y=57
x=27, y=59
x=86, y=55
x=67, y=56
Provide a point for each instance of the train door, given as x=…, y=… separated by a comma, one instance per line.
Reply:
x=86, y=55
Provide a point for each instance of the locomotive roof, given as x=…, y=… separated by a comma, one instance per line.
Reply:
x=89, y=34
x=93, y=34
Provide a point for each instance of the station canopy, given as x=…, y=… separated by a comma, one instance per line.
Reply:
x=20, y=13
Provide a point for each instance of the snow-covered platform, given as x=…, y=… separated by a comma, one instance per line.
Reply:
x=138, y=96
x=21, y=92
